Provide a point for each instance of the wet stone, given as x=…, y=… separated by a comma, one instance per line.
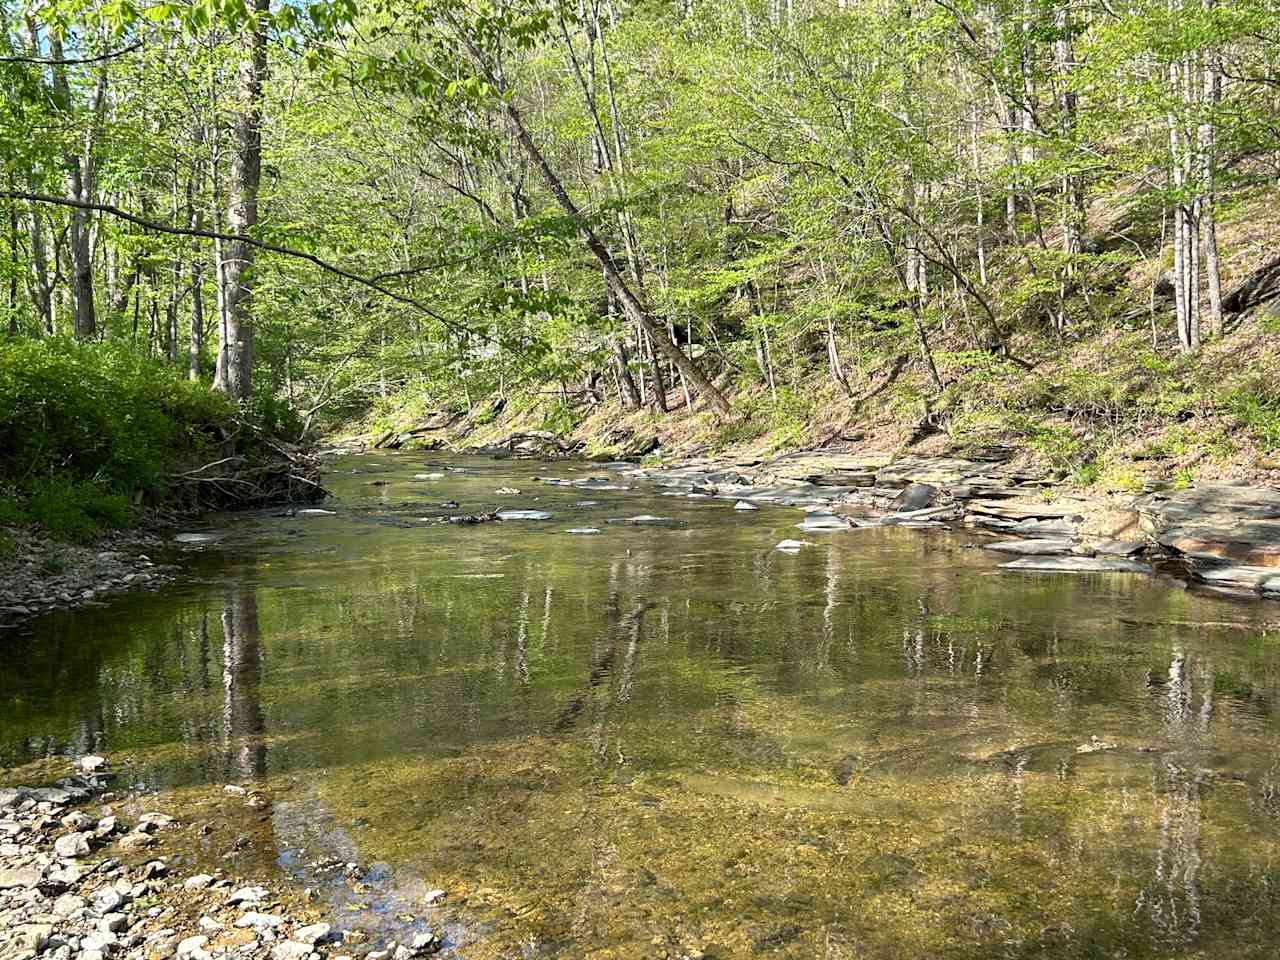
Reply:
x=523, y=515
x=1077, y=565
x=1032, y=547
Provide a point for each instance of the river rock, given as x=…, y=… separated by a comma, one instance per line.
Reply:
x=193, y=948
x=1261, y=579
x=72, y=846
x=1038, y=548
x=584, y=531
x=30, y=937
x=1230, y=521
x=1077, y=565
x=824, y=521
x=915, y=496
x=312, y=934
x=744, y=506
x=247, y=895
x=107, y=900
x=68, y=904
x=114, y=923
x=12, y=878
x=103, y=942
x=523, y=515
x=290, y=950
x=1118, y=548
x=260, y=921
x=137, y=840
x=792, y=546
x=76, y=820
x=197, y=882
x=424, y=943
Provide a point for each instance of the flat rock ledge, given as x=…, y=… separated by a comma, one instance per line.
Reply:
x=1226, y=535
x=64, y=895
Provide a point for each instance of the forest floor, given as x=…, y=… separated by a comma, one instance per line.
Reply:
x=1106, y=415
x=1109, y=406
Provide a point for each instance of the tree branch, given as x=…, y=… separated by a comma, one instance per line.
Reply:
x=260, y=244
x=73, y=61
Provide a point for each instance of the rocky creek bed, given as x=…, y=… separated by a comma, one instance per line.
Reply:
x=1220, y=536
x=81, y=881
x=42, y=575
x=1223, y=537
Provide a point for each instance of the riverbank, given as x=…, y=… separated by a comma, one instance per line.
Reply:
x=39, y=574
x=81, y=879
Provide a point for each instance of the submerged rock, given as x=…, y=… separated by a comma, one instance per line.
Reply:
x=1034, y=547
x=523, y=515
x=792, y=546
x=824, y=521
x=745, y=506
x=1077, y=565
x=583, y=530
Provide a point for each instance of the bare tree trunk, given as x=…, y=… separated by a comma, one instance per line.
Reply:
x=15, y=264
x=80, y=176
x=631, y=304
x=1208, y=168
x=242, y=213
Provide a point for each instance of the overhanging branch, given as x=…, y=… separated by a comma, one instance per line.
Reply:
x=260, y=244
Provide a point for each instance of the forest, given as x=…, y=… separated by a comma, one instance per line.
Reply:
x=757, y=225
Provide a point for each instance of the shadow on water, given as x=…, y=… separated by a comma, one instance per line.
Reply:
x=676, y=737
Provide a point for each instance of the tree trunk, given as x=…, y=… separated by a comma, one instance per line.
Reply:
x=242, y=215
x=1207, y=135
x=15, y=264
x=80, y=188
x=631, y=303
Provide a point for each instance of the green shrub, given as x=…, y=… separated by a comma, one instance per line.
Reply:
x=87, y=430
x=1256, y=406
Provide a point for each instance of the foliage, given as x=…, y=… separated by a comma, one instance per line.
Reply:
x=88, y=430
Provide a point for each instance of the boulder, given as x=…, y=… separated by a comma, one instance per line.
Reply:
x=914, y=496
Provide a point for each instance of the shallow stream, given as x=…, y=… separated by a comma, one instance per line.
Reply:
x=670, y=738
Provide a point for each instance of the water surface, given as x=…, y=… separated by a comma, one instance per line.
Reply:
x=668, y=738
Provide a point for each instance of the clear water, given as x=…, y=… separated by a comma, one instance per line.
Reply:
x=662, y=739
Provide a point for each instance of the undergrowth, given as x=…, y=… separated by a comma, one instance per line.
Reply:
x=90, y=432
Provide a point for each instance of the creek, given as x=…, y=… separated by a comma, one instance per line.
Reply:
x=669, y=738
